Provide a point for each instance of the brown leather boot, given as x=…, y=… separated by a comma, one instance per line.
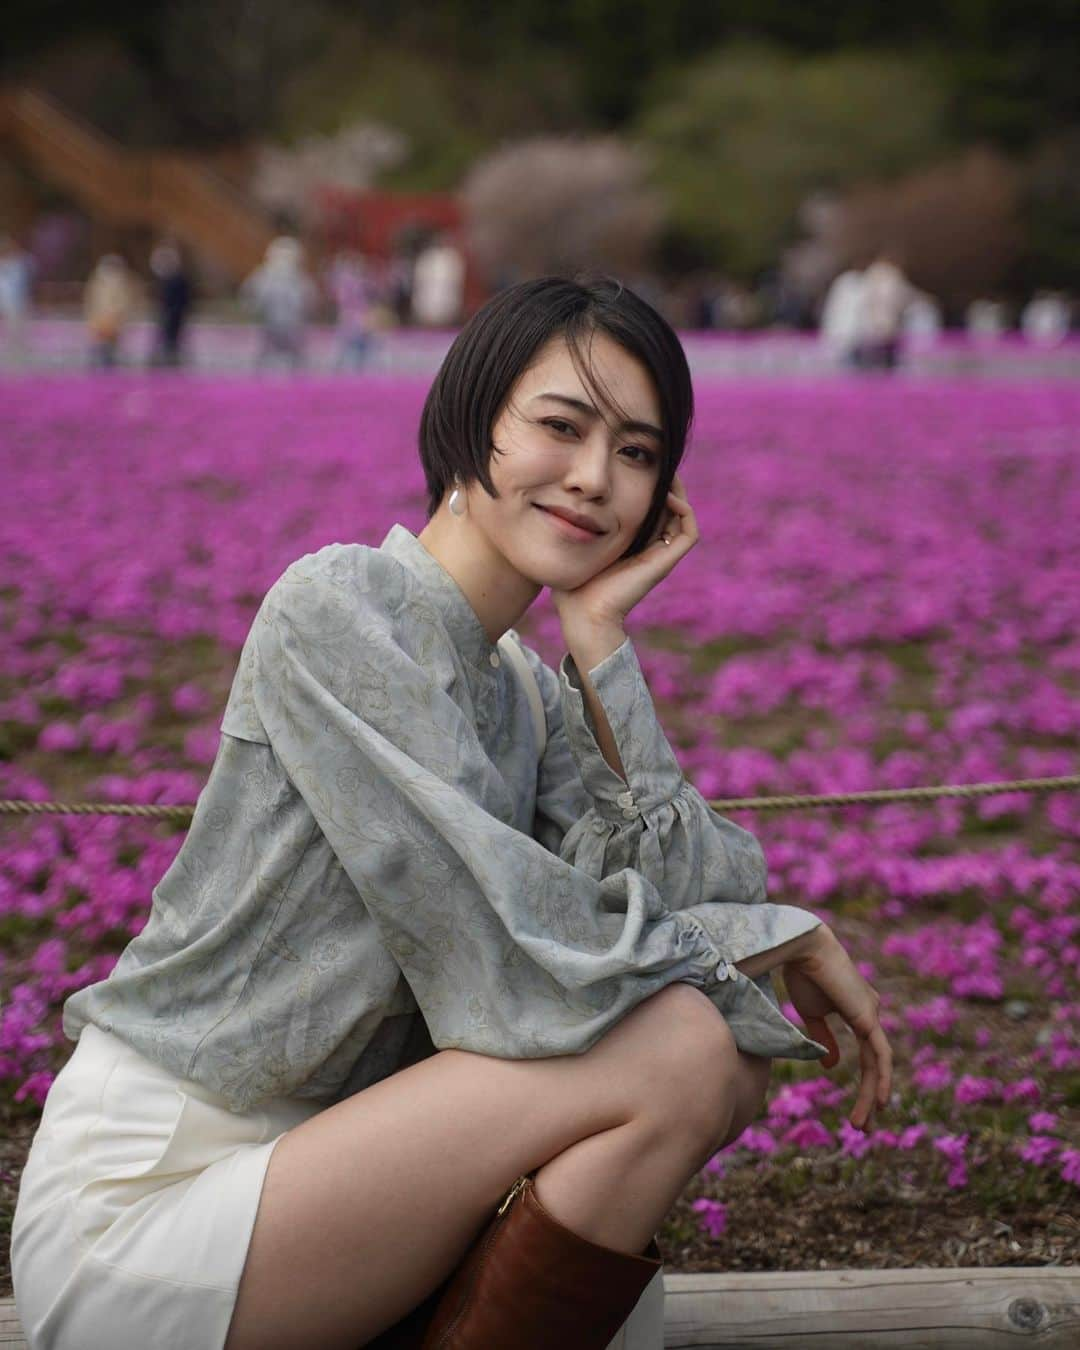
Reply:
x=529, y=1283
x=408, y=1334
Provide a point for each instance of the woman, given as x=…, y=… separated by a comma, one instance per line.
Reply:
x=109, y=301
x=420, y=959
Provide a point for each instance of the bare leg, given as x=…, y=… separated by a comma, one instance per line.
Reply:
x=370, y=1204
x=602, y=1186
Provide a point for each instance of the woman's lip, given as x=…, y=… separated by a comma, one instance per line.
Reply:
x=567, y=527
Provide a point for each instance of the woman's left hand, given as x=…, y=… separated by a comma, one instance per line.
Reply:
x=607, y=598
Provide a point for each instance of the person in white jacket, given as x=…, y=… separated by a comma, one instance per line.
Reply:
x=884, y=297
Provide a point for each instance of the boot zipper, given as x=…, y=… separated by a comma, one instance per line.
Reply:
x=517, y=1188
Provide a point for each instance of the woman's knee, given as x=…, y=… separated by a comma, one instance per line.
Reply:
x=751, y=1088
x=690, y=1059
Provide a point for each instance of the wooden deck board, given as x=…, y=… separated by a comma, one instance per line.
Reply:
x=857, y=1309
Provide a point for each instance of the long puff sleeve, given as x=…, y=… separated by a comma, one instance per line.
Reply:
x=657, y=823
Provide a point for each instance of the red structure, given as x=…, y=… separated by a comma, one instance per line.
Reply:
x=380, y=224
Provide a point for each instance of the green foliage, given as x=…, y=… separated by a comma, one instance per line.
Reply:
x=743, y=136
x=450, y=113
x=1052, y=212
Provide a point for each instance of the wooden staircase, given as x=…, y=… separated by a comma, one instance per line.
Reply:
x=166, y=191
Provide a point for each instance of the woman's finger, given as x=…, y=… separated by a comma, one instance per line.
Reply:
x=864, y=1103
x=680, y=514
x=884, y=1054
x=820, y=1031
x=677, y=529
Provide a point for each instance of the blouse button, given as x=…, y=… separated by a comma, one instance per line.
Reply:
x=630, y=813
x=721, y=971
x=494, y=658
x=625, y=799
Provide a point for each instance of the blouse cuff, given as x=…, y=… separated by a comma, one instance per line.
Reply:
x=653, y=774
x=749, y=1004
x=740, y=930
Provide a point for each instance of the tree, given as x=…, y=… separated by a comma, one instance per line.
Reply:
x=555, y=204
x=957, y=225
x=228, y=61
x=741, y=138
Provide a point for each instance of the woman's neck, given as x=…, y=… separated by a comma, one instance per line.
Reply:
x=498, y=593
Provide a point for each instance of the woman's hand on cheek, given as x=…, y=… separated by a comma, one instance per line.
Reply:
x=606, y=599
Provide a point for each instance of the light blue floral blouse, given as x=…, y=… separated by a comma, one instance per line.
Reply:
x=379, y=865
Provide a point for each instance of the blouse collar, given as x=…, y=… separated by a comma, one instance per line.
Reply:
x=466, y=631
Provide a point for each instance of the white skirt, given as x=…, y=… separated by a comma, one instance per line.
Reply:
x=137, y=1204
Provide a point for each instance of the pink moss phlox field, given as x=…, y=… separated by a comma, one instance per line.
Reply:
x=886, y=594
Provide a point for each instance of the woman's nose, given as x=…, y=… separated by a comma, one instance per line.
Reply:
x=590, y=468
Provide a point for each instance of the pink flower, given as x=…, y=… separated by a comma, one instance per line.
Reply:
x=713, y=1216
x=853, y=1142
x=791, y=1101
x=1023, y=1090
x=1070, y=1165
x=953, y=1146
x=912, y=1135
x=201, y=744
x=755, y=1140
x=36, y=1087
x=932, y=1077
x=936, y=1015
x=189, y=698
x=978, y=984
x=1040, y=1149
x=59, y=736
x=956, y=1178
x=971, y=1090
x=808, y=1134
x=1042, y=1122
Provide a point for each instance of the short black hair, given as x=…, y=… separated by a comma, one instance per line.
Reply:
x=499, y=343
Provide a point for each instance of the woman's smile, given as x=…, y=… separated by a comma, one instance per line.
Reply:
x=568, y=528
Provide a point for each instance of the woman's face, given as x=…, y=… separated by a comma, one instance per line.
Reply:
x=560, y=456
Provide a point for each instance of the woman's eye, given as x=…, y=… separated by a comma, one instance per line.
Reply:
x=640, y=455
x=557, y=424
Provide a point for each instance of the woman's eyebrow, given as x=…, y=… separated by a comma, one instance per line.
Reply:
x=578, y=405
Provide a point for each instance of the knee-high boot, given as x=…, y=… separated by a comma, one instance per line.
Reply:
x=529, y=1283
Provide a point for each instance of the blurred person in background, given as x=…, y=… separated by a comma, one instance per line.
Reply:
x=438, y=287
x=110, y=298
x=282, y=296
x=840, y=316
x=883, y=301
x=924, y=320
x=986, y=320
x=174, y=296
x=16, y=290
x=1046, y=318
x=354, y=292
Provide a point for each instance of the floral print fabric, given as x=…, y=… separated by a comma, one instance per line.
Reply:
x=379, y=866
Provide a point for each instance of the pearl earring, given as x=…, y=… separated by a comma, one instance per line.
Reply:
x=457, y=503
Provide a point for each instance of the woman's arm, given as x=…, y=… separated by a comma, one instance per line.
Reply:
x=821, y=978
x=763, y=963
x=509, y=949
x=588, y=649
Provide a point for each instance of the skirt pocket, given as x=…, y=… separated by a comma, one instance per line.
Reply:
x=122, y=1153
